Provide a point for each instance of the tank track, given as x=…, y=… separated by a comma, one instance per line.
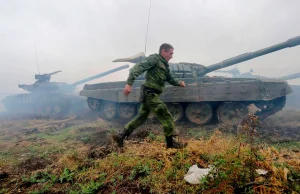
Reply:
x=113, y=112
x=279, y=104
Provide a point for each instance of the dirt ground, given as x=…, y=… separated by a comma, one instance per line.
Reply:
x=32, y=143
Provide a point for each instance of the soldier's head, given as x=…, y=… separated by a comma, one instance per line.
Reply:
x=166, y=50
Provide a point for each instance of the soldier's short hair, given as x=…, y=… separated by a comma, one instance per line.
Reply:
x=166, y=47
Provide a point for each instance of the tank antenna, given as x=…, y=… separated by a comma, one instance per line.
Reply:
x=37, y=59
x=147, y=27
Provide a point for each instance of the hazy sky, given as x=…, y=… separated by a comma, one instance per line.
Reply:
x=81, y=38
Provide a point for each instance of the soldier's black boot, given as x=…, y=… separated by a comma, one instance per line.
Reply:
x=119, y=138
x=172, y=143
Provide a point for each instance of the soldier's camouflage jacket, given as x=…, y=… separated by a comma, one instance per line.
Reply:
x=157, y=74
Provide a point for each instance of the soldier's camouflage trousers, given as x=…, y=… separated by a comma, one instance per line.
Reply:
x=152, y=103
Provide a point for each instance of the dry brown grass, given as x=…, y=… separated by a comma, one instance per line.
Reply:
x=149, y=166
x=142, y=166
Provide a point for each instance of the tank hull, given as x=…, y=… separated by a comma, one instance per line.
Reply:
x=211, y=96
x=47, y=104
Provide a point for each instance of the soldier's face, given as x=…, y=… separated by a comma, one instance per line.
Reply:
x=167, y=54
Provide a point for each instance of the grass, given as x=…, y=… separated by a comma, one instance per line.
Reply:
x=147, y=166
x=286, y=116
x=293, y=145
x=59, y=136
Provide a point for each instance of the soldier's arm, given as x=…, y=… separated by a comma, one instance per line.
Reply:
x=140, y=68
x=172, y=80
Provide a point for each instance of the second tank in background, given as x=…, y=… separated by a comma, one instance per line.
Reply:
x=50, y=98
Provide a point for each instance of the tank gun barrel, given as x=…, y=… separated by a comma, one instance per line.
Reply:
x=248, y=56
x=290, y=77
x=55, y=72
x=100, y=75
x=220, y=71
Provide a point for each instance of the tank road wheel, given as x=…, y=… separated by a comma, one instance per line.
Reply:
x=231, y=113
x=176, y=110
x=94, y=104
x=126, y=110
x=109, y=110
x=199, y=113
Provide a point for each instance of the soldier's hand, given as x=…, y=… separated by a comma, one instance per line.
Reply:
x=127, y=89
x=182, y=84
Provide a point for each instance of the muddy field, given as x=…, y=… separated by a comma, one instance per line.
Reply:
x=30, y=145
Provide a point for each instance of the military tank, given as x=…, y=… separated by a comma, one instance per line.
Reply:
x=50, y=98
x=204, y=97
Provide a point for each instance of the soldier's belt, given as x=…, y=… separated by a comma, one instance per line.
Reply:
x=151, y=90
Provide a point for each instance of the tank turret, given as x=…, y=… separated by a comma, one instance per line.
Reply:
x=44, y=77
x=202, y=70
x=43, y=83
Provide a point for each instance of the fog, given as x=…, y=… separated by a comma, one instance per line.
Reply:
x=81, y=38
